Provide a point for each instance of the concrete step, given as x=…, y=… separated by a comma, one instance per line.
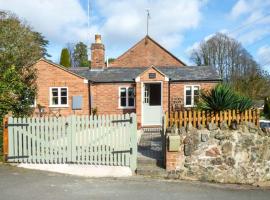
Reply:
x=142, y=161
x=151, y=171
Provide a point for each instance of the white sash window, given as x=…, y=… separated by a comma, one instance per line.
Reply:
x=191, y=94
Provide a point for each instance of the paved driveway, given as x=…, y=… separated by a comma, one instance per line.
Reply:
x=22, y=184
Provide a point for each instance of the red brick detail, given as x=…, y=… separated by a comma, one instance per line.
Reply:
x=48, y=75
x=173, y=160
x=97, y=55
x=145, y=53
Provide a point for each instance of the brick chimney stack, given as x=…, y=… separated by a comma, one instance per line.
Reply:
x=97, y=53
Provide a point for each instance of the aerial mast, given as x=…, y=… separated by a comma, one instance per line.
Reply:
x=147, y=21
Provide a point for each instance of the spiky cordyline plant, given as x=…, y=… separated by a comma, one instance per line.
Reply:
x=223, y=97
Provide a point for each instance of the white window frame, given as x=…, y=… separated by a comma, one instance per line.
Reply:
x=59, y=97
x=119, y=97
x=192, y=95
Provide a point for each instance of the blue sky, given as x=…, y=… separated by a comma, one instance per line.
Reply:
x=179, y=25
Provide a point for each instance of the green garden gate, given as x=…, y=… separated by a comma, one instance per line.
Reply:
x=94, y=140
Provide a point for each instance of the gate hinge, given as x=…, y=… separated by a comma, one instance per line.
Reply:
x=7, y=125
x=15, y=157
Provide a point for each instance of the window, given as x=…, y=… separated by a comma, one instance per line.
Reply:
x=191, y=95
x=59, y=97
x=126, y=97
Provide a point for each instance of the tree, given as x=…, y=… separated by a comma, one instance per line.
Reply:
x=20, y=47
x=111, y=60
x=71, y=46
x=65, y=58
x=234, y=64
x=80, y=55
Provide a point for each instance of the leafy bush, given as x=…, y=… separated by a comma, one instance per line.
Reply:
x=223, y=97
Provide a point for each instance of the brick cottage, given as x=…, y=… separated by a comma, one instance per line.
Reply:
x=146, y=79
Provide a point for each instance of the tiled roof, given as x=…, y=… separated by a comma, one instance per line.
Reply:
x=121, y=74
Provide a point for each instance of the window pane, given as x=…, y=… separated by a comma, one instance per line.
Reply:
x=123, y=102
x=55, y=101
x=123, y=97
x=188, y=100
x=64, y=92
x=131, y=97
x=54, y=92
x=63, y=100
x=188, y=90
x=123, y=92
x=196, y=90
x=131, y=102
x=131, y=92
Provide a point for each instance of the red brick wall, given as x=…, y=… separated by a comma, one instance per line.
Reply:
x=105, y=97
x=48, y=76
x=177, y=88
x=97, y=55
x=144, y=54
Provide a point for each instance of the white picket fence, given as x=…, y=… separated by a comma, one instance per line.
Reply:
x=102, y=140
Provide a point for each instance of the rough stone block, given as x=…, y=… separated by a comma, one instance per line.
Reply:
x=212, y=126
x=213, y=152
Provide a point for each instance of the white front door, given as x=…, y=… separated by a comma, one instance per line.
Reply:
x=151, y=104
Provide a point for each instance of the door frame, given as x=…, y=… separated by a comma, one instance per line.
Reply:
x=142, y=100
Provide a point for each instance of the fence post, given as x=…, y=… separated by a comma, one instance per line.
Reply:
x=5, y=138
x=166, y=120
x=133, y=162
x=258, y=117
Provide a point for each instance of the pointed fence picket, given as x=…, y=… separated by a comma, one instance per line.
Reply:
x=95, y=140
x=196, y=118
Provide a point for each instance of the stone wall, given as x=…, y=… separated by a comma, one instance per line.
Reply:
x=220, y=154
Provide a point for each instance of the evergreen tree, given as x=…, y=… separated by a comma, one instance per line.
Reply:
x=80, y=55
x=65, y=58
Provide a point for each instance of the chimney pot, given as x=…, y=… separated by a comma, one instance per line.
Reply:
x=98, y=39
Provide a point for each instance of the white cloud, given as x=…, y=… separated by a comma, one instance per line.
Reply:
x=59, y=20
x=252, y=36
x=252, y=19
x=241, y=7
x=121, y=22
x=125, y=21
x=196, y=45
x=263, y=54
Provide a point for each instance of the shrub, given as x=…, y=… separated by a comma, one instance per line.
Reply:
x=223, y=97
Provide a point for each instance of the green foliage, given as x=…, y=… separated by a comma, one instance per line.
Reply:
x=20, y=47
x=234, y=64
x=65, y=58
x=266, y=108
x=223, y=97
x=80, y=55
x=110, y=60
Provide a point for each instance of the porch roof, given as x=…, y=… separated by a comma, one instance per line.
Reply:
x=122, y=74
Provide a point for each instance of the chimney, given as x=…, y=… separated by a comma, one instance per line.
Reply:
x=97, y=53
